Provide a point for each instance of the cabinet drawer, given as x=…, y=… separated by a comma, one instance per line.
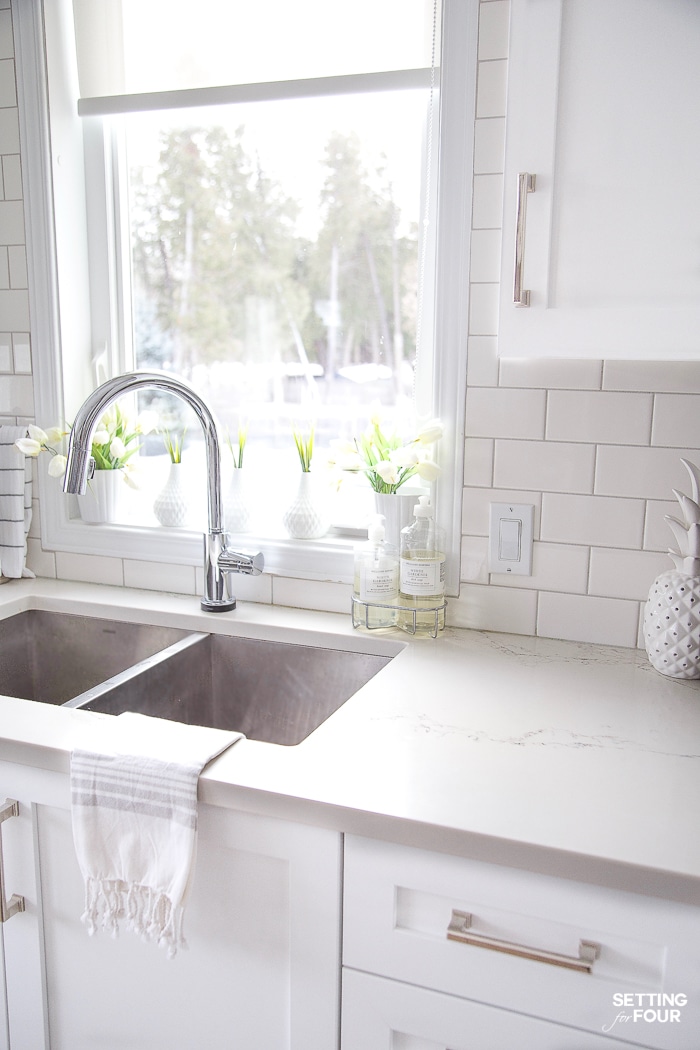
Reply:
x=642, y=987
x=380, y=1014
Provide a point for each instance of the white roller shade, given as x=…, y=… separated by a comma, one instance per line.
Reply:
x=131, y=48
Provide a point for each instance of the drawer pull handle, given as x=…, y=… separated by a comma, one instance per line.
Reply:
x=526, y=184
x=460, y=930
x=9, y=808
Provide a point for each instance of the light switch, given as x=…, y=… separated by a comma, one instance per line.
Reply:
x=510, y=538
x=510, y=530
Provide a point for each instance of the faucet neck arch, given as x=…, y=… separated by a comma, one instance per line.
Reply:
x=92, y=410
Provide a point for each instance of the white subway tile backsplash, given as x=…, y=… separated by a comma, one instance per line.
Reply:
x=657, y=534
x=8, y=91
x=14, y=310
x=648, y=473
x=475, y=507
x=9, y=130
x=489, y=145
x=555, y=567
x=11, y=178
x=624, y=573
x=551, y=466
x=593, y=520
x=17, y=256
x=16, y=393
x=482, y=361
x=487, y=205
x=497, y=412
x=483, y=309
x=7, y=44
x=22, y=353
x=154, y=576
x=494, y=22
x=478, y=461
x=39, y=561
x=91, y=568
x=487, y=608
x=676, y=420
x=491, y=88
x=11, y=222
x=605, y=417
x=581, y=618
x=5, y=352
x=311, y=594
x=551, y=374
x=474, y=557
x=660, y=376
x=485, y=255
x=4, y=268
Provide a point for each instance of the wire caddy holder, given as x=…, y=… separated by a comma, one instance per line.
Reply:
x=409, y=616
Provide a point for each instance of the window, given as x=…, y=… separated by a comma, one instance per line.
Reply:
x=268, y=247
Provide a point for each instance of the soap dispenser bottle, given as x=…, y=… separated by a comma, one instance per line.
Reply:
x=422, y=572
x=377, y=576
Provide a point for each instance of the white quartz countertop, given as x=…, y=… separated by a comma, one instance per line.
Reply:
x=570, y=758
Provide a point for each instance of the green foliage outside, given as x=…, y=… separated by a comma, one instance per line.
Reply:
x=222, y=274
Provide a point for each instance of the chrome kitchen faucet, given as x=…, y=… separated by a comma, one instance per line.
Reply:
x=218, y=558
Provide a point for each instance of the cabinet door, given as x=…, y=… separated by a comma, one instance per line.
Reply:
x=23, y=1012
x=379, y=1014
x=262, y=925
x=603, y=105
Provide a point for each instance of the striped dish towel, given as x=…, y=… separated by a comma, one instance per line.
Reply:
x=134, y=810
x=15, y=504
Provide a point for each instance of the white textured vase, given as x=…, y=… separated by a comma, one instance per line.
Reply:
x=106, y=499
x=672, y=624
x=236, y=509
x=307, y=516
x=397, y=509
x=171, y=506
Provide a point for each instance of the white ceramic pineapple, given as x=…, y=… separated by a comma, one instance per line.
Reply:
x=672, y=611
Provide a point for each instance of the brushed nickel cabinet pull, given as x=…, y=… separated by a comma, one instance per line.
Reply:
x=526, y=184
x=10, y=808
x=460, y=930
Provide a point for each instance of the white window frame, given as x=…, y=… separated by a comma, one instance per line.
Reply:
x=51, y=134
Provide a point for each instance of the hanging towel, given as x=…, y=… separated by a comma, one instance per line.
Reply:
x=15, y=504
x=134, y=809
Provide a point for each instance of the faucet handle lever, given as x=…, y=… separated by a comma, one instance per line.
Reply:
x=235, y=561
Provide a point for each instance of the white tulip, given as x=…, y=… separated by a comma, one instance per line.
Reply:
x=430, y=432
x=29, y=446
x=406, y=456
x=387, y=471
x=57, y=466
x=101, y=436
x=117, y=448
x=427, y=469
x=37, y=434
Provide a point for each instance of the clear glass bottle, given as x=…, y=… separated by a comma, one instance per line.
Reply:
x=376, y=577
x=422, y=572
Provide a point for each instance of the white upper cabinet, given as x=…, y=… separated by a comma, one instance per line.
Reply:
x=604, y=112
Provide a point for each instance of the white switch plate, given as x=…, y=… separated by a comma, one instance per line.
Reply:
x=510, y=538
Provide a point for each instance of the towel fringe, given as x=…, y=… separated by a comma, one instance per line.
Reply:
x=147, y=912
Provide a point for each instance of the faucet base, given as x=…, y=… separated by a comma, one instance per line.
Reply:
x=217, y=604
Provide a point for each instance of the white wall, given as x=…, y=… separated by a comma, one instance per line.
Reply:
x=594, y=445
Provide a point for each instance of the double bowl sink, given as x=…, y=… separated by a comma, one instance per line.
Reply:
x=277, y=692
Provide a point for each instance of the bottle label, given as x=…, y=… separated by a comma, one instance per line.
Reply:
x=379, y=585
x=423, y=576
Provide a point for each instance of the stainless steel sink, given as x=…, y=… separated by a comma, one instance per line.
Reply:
x=54, y=656
x=278, y=692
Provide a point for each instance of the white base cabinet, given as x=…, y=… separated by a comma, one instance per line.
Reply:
x=262, y=925
x=405, y=980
